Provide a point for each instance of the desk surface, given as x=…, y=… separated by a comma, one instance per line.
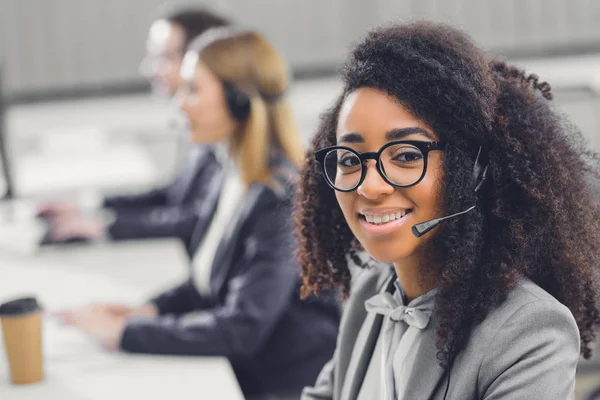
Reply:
x=115, y=168
x=77, y=368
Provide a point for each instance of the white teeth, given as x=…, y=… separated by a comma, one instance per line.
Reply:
x=384, y=219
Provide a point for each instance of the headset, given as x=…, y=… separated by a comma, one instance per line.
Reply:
x=480, y=171
x=479, y=178
x=238, y=102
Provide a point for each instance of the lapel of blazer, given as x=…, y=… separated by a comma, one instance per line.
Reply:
x=207, y=207
x=360, y=331
x=225, y=252
x=357, y=368
x=186, y=183
x=427, y=379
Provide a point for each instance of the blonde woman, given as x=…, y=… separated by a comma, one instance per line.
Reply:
x=241, y=300
x=165, y=211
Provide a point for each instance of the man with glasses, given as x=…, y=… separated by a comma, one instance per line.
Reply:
x=169, y=211
x=168, y=39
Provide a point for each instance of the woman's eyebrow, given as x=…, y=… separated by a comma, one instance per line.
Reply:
x=401, y=133
x=394, y=134
x=351, y=138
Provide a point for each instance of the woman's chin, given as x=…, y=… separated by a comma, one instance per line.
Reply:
x=197, y=137
x=202, y=138
x=193, y=138
x=383, y=255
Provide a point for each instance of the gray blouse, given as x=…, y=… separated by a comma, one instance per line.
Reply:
x=397, y=346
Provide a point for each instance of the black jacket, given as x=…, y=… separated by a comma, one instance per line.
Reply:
x=254, y=316
x=171, y=211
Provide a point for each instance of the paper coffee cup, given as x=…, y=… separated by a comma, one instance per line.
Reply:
x=22, y=332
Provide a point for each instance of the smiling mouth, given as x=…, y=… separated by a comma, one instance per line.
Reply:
x=384, y=219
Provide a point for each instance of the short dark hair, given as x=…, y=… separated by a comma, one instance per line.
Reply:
x=193, y=20
x=537, y=215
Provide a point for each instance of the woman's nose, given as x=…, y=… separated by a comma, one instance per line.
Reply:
x=374, y=185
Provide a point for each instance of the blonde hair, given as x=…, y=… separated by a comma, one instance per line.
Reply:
x=247, y=60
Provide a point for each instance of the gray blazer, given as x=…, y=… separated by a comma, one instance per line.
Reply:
x=527, y=348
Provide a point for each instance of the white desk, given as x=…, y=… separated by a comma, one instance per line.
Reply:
x=76, y=367
x=115, y=168
x=148, y=265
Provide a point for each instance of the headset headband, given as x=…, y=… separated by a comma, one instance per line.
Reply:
x=213, y=35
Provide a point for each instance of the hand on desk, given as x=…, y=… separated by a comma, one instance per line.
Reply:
x=75, y=225
x=104, y=322
x=58, y=209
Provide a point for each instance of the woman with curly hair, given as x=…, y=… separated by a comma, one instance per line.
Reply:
x=453, y=168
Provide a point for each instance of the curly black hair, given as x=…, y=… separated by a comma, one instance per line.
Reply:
x=537, y=216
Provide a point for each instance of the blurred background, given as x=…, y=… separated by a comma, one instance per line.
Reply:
x=79, y=118
x=71, y=73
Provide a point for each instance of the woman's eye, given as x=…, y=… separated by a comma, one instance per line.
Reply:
x=348, y=161
x=408, y=156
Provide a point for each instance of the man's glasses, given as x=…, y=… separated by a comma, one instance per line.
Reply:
x=401, y=163
x=153, y=61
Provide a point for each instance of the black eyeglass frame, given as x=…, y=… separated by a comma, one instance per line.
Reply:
x=424, y=146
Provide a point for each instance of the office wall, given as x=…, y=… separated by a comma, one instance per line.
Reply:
x=72, y=44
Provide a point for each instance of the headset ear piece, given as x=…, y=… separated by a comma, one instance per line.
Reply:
x=238, y=102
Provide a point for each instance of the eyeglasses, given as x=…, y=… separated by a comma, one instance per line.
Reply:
x=153, y=61
x=401, y=164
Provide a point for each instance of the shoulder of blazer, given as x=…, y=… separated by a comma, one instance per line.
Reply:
x=521, y=297
x=284, y=175
x=524, y=292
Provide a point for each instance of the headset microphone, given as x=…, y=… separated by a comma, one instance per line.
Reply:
x=421, y=229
